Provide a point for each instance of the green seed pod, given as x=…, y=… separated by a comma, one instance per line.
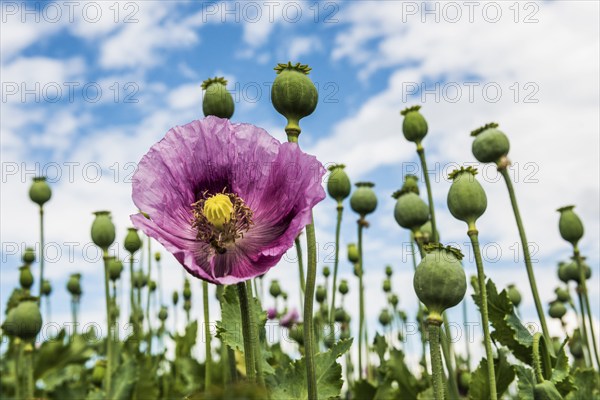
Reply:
x=40, y=192
x=570, y=272
x=440, y=281
x=384, y=317
x=343, y=288
x=275, y=289
x=410, y=212
x=157, y=256
x=563, y=271
x=74, y=285
x=490, y=144
x=569, y=225
x=217, y=99
x=464, y=381
x=393, y=299
x=320, y=294
x=326, y=272
x=25, y=277
x=414, y=126
x=356, y=270
x=29, y=256
x=403, y=315
x=175, y=297
x=387, y=285
x=562, y=294
x=427, y=233
x=187, y=290
x=338, y=184
x=293, y=94
x=410, y=184
x=284, y=296
x=340, y=315
x=115, y=268
x=575, y=345
x=546, y=391
x=556, y=344
x=353, y=255
x=345, y=334
x=98, y=372
x=557, y=310
x=297, y=334
x=389, y=271
x=363, y=200
x=152, y=286
x=163, y=314
x=466, y=198
x=187, y=305
x=103, y=230
x=46, y=288
x=140, y=280
x=25, y=320
x=132, y=242
x=514, y=295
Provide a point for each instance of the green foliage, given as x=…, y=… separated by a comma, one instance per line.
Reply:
x=587, y=385
x=505, y=374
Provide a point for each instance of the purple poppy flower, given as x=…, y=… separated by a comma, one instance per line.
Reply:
x=289, y=319
x=271, y=313
x=226, y=199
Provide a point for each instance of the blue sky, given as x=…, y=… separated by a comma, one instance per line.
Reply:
x=532, y=68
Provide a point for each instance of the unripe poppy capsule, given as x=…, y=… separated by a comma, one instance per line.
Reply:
x=363, y=200
x=343, y=288
x=466, y=198
x=569, y=225
x=320, y=293
x=384, y=317
x=46, y=288
x=490, y=144
x=414, y=126
x=217, y=99
x=74, y=285
x=338, y=184
x=514, y=295
x=353, y=255
x=29, y=256
x=25, y=277
x=275, y=289
x=40, y=192
x=103, y=230
x=410, y=212
x=326, y=271
x=557, y=310
x=132, y=242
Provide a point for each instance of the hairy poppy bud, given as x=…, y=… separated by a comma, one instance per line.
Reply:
x=175, y=297
x=320, y=294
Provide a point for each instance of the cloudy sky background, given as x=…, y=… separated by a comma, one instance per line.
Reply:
x=87, y=89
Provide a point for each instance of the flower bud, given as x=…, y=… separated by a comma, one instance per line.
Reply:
x=440, y=281
x=345, y=334
x=284, y=296
x=393, y=299
x=340, y=315
x=326, y=272
x=152, y=286
x=343, y=288
x=353, y=255
x=187, y=305
x=275, y=289
x=103, y=230
x=29, y=256
x=388, y=271
x=293, y=94
x=297, y=334
x=271, y=313
x=46, y=288
x=338, y=184
x=115, y=268
x=157, y=256
x=466, y=198
x=175, y=297
x=570, y=272
x=562, y=294
x=25, y=320
x=490, y=144
x=414, y=126
x=320, y=294
x=74, y=285
x=132, y=242
x=363, y=200
x=557, y=309
x=384, y=317
x=569, y=225
x=410, y=212
x=187, y=290
x=514, y=295
x=98, y=372
x=217, y=99
x=25, y=277
x=387, y=285
x=40, y=192
x=163, y=314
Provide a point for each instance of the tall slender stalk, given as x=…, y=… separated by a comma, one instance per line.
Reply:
x=74, y=314
x=256, y=346
x=421, y=153
x=207, y=337
x=586, y=299
x=467, y=347
x=525, y=245
x=340, y=210
x=587, y=355
x=309, y=296
x=18, y=372
x=109, y=340
x=247, y=331
x=148, y=319
x=361, y=300
x=448, y=359
x=300, y=269
x=473, y=235
x=132, y=308
x=436, y=359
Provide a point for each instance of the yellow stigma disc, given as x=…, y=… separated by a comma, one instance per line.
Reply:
x=218, y=209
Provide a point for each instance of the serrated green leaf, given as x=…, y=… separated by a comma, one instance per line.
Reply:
x=364, y=390
x=560, y=373
x=587, y=385
x=526, y=382
x=56, y=354
x=123, y=382
x=184, y=343
x=480, y=383
x=380, y=346
x=290, y=383
x=399, y=372
x=508, y=329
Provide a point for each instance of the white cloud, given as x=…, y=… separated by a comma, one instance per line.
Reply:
x=303, y=45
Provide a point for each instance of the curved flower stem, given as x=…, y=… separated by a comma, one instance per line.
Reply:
x=207, y=337
x=473, y=235
x=436, y=359
x=109, y=347
x=587, y=303
x=421, y=153
x=537, y=361
x=340, y=210
x=300, y=269
x=256, y=346
x=309, y=296
x=247, y=331
x=361, y=319
x=526, y=255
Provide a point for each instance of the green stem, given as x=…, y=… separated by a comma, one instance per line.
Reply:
x=108, y=374
x=340, y=210
x=473, y=235
x=436, y=359
x=207, y=337
x=41, y=251
x=300, y=269
x=18, y=372
x=159, y=283
x=584, y=337
x=247, y=330
x=467, y=347
x=132, y=310
x=309, y=296
x=526, y=255
x=421, y=153
x=74, y=314
x=30, y=368
x=361, y=300
x=256, y=346
x=448, y=359
x=587, y=303
x=148, y=320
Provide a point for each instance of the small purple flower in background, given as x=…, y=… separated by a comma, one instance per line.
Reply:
x=289, y=319
x=271, y=313
x=227, y=200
